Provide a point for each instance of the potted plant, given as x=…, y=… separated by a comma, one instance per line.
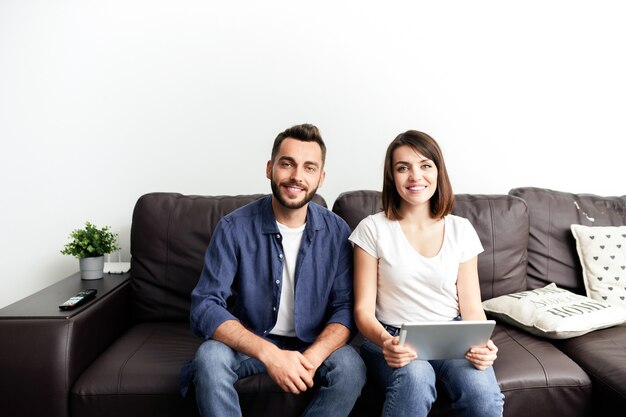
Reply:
x=89, y=245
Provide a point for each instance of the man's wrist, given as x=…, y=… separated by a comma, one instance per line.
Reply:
x=312, y=356
x=266, y=351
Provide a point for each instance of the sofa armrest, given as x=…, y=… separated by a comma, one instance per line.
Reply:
x=44, y=350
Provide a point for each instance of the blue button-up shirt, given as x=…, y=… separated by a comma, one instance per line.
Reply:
x=243, y=273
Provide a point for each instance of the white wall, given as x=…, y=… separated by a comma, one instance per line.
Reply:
x=102, y=101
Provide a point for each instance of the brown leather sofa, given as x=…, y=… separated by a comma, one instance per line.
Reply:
x=121, y=354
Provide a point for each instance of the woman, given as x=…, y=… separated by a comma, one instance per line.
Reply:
x=415, y=261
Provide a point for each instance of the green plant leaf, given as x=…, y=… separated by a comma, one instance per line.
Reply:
x=91, y=241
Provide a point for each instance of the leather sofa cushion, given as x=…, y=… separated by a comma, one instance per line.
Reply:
x=531, y=370
x=169, y=236
x=501, y=222
x=552, y=255
x=139, y=375
x=602, y=354
x=142, y=364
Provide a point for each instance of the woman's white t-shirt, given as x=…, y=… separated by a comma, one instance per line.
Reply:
x=412, y=287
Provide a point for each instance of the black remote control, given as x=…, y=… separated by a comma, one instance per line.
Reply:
x=79, y=299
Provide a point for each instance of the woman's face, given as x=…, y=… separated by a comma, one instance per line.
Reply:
x=414, y=175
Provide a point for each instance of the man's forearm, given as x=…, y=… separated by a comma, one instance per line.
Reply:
x=333, y=337
x=235, y=335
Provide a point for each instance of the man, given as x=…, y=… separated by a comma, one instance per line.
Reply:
x=290, y=263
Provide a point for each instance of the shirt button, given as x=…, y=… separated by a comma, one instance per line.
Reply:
x=273, y=308
x=277, y=236
x=280, y=255
x=277, y=281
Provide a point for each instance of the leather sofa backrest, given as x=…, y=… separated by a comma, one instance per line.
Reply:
x=501, y=222
x=552, y=255
x=169, y=236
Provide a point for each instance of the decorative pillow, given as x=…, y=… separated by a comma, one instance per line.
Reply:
x=602, y=253
x=554, y=313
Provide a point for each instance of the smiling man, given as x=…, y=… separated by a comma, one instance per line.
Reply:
x=291, y=263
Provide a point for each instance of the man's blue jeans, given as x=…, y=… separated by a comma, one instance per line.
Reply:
x=410, y=390
x=216, y=368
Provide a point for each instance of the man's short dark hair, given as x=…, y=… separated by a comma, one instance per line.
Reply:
x=304, y=132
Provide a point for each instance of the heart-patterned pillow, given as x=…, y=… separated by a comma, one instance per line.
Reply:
x=602, y=253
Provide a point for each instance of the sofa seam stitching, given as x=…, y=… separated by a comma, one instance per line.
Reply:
x=167, y=253
x=121, y=370
x=543, y=368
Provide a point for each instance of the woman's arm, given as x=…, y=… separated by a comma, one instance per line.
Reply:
x=471, y=308
x=468, y=290
x=365, y=289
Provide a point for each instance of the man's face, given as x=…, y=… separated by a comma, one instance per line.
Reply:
x=296, y=172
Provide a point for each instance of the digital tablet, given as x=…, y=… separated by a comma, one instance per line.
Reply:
x=446, y=339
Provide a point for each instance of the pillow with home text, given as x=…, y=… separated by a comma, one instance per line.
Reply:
x=602, y=254
x=554, y=312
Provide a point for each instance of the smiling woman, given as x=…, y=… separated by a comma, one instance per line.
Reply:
x=417, y=262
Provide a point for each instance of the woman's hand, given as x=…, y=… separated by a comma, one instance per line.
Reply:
x=397, y=356
x=482, y=357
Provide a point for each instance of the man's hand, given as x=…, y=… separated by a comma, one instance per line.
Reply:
x=290, y=370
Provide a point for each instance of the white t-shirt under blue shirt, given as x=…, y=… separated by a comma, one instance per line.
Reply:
x=285, y=321
x=412, y=287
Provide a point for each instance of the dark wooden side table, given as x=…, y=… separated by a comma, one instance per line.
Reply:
x=44, y=349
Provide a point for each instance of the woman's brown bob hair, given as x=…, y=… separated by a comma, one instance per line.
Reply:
x=442, y=201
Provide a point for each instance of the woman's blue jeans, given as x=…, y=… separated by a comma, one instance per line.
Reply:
x=410, y=390
x=216, y=368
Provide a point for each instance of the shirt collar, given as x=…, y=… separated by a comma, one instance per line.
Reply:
x=313, y=217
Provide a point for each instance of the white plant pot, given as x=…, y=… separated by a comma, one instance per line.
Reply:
x=91, y=268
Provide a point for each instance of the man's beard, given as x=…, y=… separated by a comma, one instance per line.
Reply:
x=288, y=203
